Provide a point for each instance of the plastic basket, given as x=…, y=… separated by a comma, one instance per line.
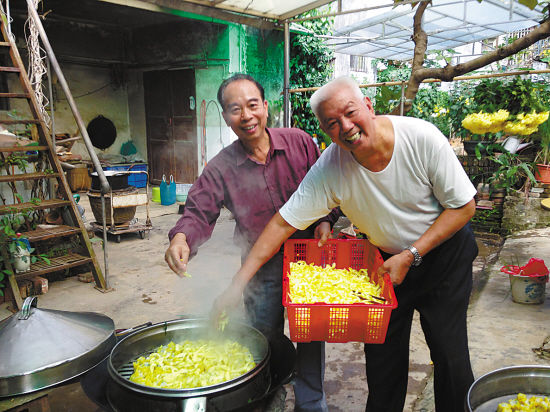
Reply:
x=138, y=179
x=358, y=322
x=183, y=188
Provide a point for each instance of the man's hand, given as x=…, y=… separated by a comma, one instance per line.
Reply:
x=226, y=302
x=323, y=233
x=177, y=255
x=397, y=266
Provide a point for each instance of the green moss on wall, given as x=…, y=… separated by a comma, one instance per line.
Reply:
x=264, y=59
x=260, y=54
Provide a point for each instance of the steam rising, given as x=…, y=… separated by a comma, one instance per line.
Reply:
x=211, y=272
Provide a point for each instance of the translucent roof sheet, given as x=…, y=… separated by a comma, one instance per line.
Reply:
x=272, y=9
x=448, y=24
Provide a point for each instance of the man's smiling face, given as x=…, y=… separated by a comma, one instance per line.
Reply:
x=244, y=110
x=347, y=119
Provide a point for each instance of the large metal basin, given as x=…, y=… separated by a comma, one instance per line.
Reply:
x=504, y=384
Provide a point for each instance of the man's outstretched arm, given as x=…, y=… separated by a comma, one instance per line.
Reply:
x=269, y=242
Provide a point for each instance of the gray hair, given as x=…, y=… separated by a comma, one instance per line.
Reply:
x=325, y=92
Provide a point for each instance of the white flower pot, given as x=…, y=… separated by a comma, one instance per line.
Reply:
x=22, y=260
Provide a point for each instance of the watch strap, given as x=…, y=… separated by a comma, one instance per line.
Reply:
x=417, y=258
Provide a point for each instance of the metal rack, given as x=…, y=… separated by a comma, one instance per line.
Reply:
x=123, y=201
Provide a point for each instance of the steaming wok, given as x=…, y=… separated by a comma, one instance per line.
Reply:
x=125, y=395
x=282, y=363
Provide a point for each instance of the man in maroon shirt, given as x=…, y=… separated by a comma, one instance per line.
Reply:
x=253, y=178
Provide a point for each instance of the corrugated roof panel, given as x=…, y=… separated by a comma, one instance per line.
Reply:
x=448, y=23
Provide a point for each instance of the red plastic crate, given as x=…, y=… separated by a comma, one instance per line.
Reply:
x=357, y=322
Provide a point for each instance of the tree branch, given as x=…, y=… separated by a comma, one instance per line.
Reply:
x=447, y=73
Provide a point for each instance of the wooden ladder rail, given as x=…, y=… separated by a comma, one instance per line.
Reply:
x=46, y=145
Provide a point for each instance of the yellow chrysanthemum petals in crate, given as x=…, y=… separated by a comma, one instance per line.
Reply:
x=523, y=404
x=193, y=364
x=309, y=283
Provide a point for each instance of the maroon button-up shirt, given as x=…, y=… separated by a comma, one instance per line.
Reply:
x=252, y=191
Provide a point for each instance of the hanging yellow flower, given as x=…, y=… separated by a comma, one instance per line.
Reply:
x=525, y=124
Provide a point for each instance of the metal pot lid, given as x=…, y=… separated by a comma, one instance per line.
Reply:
x=44, y=347
x=109, y=173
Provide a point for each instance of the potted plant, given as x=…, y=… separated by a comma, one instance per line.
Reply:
x=13, y=245
x=479, y=120
x=15, y=248
x=503, y=109
x=511, y=172
x=542, y=163
x=542, y=158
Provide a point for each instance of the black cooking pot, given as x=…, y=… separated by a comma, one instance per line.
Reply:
x=117, y=179
x=124, y=395
x=281, y=367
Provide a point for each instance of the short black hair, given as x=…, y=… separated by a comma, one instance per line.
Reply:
x=234, y=78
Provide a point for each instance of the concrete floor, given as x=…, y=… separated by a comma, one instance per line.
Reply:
x=502, y=333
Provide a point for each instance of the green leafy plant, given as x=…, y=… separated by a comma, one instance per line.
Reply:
x=543, y=154
x=388, y=97
x=542, y=136
x=9, y=224
x=10, y=239
x=460, y=105
x=15, y=159
x=519, y=95
x=512, y=172
x=310, y=66
x=509, y=106
x=23, y=130
x=431, y=105
x=487, y=219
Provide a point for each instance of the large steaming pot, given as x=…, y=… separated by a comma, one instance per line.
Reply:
x=124, y=395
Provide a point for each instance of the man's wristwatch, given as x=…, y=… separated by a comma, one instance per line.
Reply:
x=417, y=258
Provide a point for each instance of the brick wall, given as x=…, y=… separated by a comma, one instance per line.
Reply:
x=515, y=214
x=521, y=213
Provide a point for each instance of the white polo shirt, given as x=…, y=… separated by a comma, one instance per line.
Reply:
x=395, y=206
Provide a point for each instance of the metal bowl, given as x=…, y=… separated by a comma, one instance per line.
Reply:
x=504, y=384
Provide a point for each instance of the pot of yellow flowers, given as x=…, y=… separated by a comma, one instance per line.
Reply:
x=485, y=129
x=504, y=109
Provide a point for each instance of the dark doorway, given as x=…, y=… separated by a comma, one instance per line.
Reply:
x=171, y=125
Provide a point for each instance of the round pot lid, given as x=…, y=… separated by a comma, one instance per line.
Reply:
x=109, y=173
x=44, y=347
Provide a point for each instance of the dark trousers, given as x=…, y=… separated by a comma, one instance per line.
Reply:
x=439, y=289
